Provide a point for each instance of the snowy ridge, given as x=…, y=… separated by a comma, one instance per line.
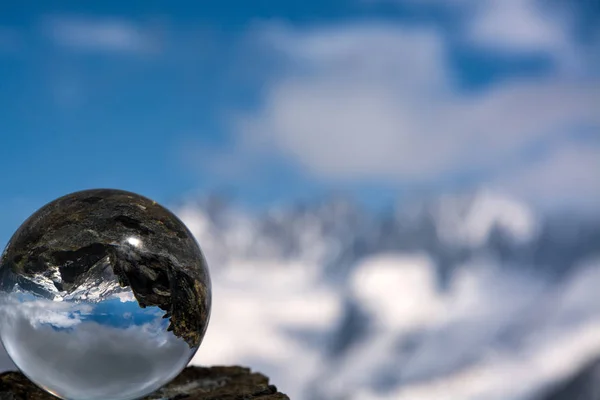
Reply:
x=100, y=283
x=471, y=221
x=336, y=233
x=446, y=299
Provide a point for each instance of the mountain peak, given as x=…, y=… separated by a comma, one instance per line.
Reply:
x=470, y=220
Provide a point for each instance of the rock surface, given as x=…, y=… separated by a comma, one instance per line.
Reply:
x=194, y=383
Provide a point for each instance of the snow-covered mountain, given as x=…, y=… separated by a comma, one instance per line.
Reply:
x=465, y=297
x=337, y=233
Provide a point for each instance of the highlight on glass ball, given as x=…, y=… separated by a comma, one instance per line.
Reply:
x=104, y=295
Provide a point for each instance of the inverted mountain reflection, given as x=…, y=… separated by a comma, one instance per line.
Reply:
x=97, y=349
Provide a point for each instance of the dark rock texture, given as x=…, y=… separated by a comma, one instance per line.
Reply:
x=194, y=383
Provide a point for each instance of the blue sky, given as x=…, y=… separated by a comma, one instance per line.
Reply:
x=272, y=101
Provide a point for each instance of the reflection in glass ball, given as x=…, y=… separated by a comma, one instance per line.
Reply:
x=104, y=294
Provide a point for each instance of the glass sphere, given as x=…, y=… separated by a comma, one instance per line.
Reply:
x=104, y=295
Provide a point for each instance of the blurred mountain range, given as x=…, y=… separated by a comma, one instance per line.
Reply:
x=452, y=230
x=462, y=297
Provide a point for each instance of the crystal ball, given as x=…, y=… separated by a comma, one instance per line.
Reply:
x=104, y=295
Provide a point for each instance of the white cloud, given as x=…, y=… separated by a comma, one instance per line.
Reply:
x=526, y=27
x=99, y=35
x=352, y=100
x=377, y=102
x=517, y=24
x=514, y=25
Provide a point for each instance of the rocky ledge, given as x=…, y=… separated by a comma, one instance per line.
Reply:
x=194, y=383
